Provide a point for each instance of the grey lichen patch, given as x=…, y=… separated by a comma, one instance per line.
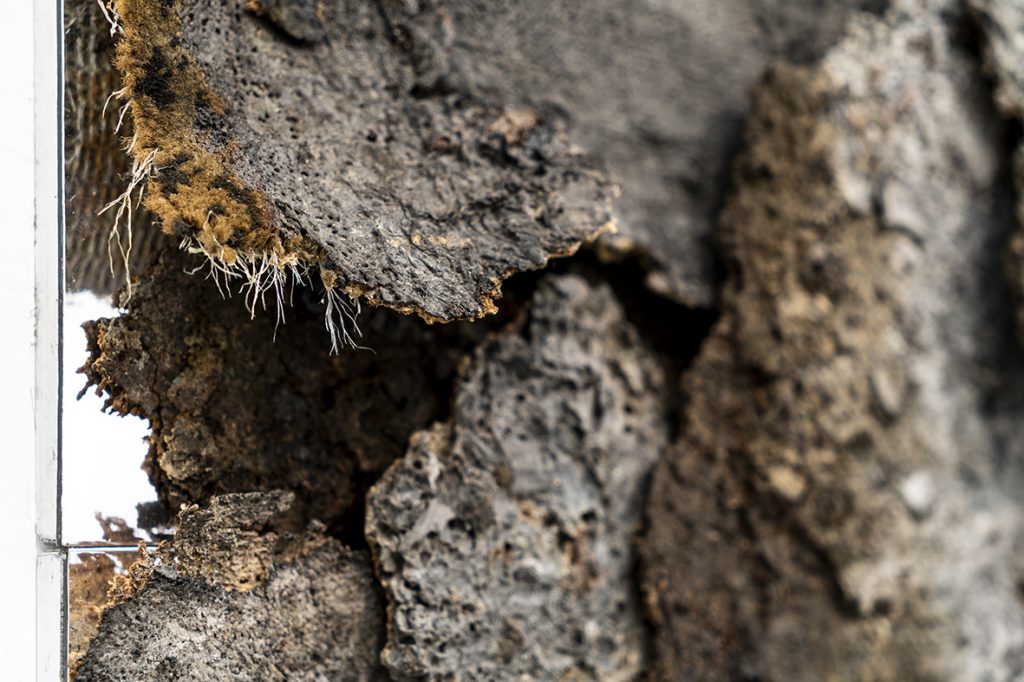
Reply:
x=847, y=433
x=329, y=153
x=504, y=537
x=316, y=614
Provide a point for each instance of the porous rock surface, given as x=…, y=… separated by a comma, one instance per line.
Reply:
x=657, y=89
x=422, y=151
x=325, y=151
x=844, y=499
x=315, y=615
x=504, y=537
x=230, y=541
x=841, y=497
x=235, y=405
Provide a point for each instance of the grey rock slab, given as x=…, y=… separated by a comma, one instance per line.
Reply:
x=504, y=537
x=844, y=498
x=657, y=89
x=325, y=149
x=315, y=612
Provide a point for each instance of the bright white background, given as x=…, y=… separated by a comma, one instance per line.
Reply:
x=102, y=453
x=17, y=508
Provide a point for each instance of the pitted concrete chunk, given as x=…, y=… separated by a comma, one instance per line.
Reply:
x=504, y=538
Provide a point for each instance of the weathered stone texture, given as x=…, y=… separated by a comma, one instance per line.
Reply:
x=843, y=502
x=315, y=615
x=657, y=89
x=328, y=152
x=504, y=537
x=239, y=404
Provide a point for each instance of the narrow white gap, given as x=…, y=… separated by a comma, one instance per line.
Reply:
x=102, y=453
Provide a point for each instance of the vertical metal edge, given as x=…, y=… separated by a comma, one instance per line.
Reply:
x=48, y=268
x=51, y=563
x=18, y=570
x=51, y=615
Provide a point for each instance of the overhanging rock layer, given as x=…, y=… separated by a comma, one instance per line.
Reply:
x=268, y=150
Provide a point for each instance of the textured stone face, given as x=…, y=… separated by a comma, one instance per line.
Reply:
x=314, y=615
x=325, y=152
x=839, y=502
x=657, y=89
x=236, y=405
x=504, y=538
x=1001, y=28
x=229, y=542
x=423, y=151
x=833, y=494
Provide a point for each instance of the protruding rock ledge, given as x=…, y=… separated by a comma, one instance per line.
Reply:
x=268, y=153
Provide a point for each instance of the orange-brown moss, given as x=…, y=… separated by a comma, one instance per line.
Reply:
x=435, y=238
x=193, y=192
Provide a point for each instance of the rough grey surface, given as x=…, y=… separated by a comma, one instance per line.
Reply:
x=504, y=537
x=658, y=89
x=230, y=542
x=238, y=404
x=423, y=201
x=844, y=501
x=433, y=147
x=317, y=616
x=843, y=498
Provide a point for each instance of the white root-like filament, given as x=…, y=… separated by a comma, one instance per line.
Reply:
x=260, y=275
x=257, y=274
x=142, y=171
x=112, y=17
